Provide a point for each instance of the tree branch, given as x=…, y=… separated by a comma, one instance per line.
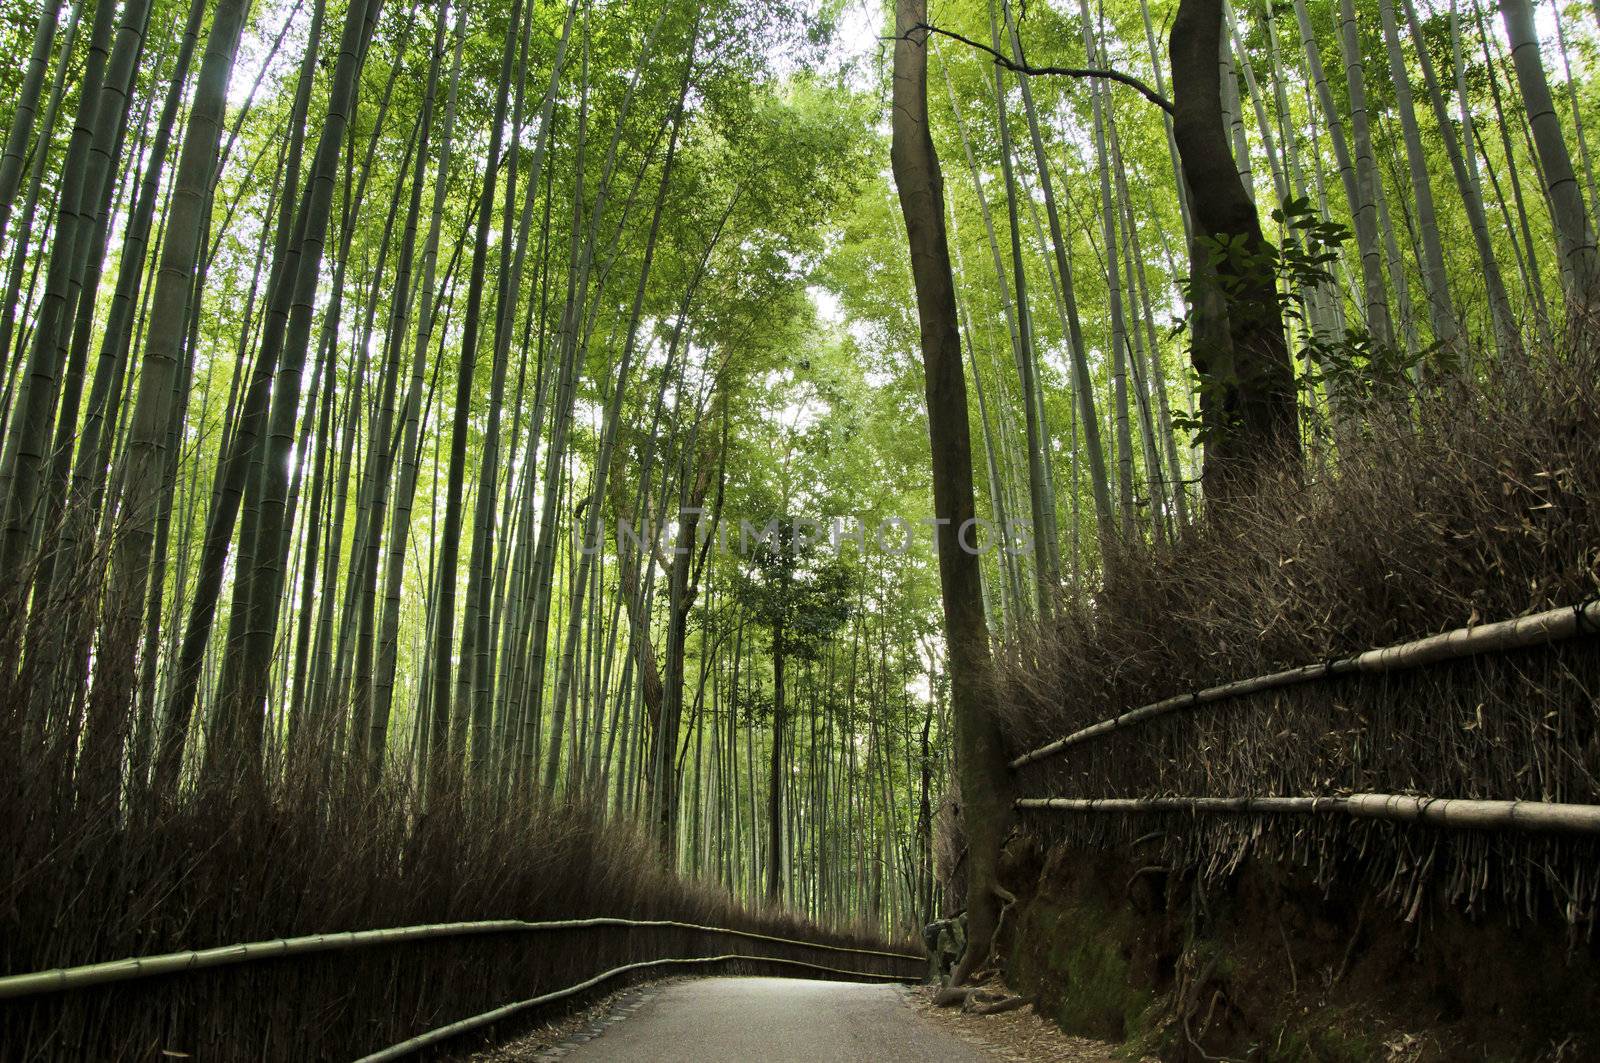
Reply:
x=1024, y=67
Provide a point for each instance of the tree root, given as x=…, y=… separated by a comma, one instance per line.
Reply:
x=995, y=1007
x=976, y=1000
x=1152, y=836
x=1008, y=900
x=986, y=968
x=1350, y=949
x=1148, y=869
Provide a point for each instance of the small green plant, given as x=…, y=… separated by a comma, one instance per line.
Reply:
x=1354, y=364
x=1302, y=263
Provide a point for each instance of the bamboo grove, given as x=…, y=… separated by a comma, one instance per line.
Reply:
x=346, y=344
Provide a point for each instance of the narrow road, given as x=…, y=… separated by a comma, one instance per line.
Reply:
x=775, y=1020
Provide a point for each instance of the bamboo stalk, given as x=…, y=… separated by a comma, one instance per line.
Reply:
x=433, y=1037
x=1459, y=813
x=61, y=979
x=1553, y=625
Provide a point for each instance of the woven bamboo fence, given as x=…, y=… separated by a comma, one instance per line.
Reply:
x=62, y=979
x=1454, y=812
x=1553, y=625
x=1468, y=760
x=456, y=1029
x=378, y=982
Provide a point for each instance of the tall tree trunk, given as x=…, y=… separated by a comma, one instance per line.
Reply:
x=388, y=635
x=775, y=773
x=1580, y=262
x=1247, y=382
x=979, y=749
x=1358, y=170
x=145, y=457
x=82, y=181
x=1082, y=381
x=1367, y=181
x=1502, y=317
x=14, y=302
x=236, y=740
x=1574, y=105
x=375, y=709
x=602, y=465
x=1098, y=103
x=241, y=447
x=25, y=109
x=89, y=471
x=1435, y=279
x=454, y=717
x=577, y=322
x=1533, y=277
x=1047, y=569
x=112, y=121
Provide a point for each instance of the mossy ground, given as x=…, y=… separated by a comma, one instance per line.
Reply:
x=1278, y=969
x=1098, y=996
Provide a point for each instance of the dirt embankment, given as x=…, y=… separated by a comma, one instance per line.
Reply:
x=1275, y=966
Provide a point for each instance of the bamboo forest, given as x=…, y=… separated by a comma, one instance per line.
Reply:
x=1060, y=529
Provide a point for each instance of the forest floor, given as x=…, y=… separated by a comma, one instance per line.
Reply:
x=554, y=1039
x=1021, y=1036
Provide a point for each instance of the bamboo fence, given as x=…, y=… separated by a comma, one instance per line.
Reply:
x=443, y=1033
x=61, y=979
x=1553, y=625
x=1453, y=812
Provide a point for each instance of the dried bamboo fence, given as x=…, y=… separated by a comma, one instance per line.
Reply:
x=1457, y=812
x=608, y=942
x=1501, y=721
x=62, y=979
x=1553, y=625
x=455, y=1029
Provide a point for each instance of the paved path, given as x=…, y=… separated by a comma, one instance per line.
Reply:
x=775, y=1020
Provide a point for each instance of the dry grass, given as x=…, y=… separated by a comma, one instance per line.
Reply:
x=1471, y=503
x=83, y=880
x=223, y=872
x=557, y=1036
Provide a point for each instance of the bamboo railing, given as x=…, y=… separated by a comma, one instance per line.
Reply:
x=444, y=1033
x=1553, y=625
x=1454, y=812
x=61, y=979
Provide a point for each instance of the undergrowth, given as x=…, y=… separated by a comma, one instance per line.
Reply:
x=1445, y=506
x=81, y=882
x=245, y=868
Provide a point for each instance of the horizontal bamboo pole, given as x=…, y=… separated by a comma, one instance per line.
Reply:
x=444, y=1033
x=1461, y=813
x=65, y=978
x=1554, y=625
